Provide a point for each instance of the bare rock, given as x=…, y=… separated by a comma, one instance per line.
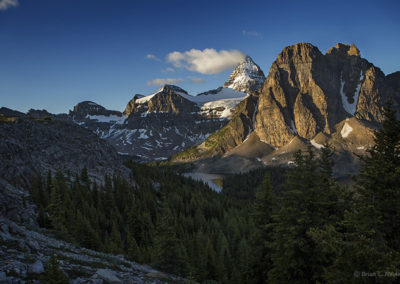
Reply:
x=37, y=267
x=108, y=276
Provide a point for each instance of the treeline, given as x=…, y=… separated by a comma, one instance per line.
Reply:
x=298, y=226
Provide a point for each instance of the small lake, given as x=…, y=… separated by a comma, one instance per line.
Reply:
x=206, y=178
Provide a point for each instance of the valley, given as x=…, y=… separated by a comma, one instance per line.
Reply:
x=252, y=181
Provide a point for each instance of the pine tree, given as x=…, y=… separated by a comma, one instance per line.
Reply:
x=53, y=274
x=309, y=202
x=170, y=255
x=85, y=235
x=132, y=249
x=55, y=207
x=243, y=263
x=262, y=236
x=368, y=239
x=378, y=182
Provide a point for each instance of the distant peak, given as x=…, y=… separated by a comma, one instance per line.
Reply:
x=343, y=49
x=172, y=88
x=247, y=77
x=87, y=103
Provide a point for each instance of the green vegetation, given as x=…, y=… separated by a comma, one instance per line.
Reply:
x=190, y=153
x=174, y=223
x=214, y=139
x=53, y=274
x=7, y=119
x=271, y=225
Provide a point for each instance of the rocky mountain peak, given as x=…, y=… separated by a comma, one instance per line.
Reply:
x=344, y=50
x=85, y=108
x=247, y=77
x=298, y=53
x=309, y=95
x=168, y=99
x=172, y=88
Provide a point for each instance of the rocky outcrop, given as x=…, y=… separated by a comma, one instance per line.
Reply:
x=130, y=107
x=25, y=253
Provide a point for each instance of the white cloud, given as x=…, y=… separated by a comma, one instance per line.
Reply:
x=169, y=69
x=207, y=61
x=5, y=4
x=196, y=80
x=252, y=33
x=152, y=57
x=161, y=82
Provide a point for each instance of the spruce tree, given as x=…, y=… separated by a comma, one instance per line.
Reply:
x=55, y=208
x=53, y=274
x=170, y=255
x=309, y=202
x=262, y=236
x=368, y=239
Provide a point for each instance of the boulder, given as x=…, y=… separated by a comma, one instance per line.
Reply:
x=108, y=276
x=36, y=267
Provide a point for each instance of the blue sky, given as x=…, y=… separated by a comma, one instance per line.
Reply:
x=56, y=53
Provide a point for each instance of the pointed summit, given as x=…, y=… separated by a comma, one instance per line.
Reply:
x=247, y=77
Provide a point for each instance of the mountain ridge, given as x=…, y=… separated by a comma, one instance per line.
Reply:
x=306, y=93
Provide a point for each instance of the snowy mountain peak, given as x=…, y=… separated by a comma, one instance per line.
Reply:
x=247, y=77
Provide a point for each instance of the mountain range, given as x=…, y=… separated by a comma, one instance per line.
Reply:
x=308, y=98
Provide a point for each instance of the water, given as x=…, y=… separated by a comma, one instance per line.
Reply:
x=206, y=178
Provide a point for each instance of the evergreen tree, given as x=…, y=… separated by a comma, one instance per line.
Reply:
x=132, y=249
x=309, y=202
x=262, y=236
x=53, y=274
x=368, y=239
x=170, y=255
x=85, y=235
x=55, y=207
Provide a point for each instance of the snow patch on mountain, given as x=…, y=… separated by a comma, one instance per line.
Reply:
x=351, y=108
x=292, y=127
x=316, y=145
x=346, y=130
x=107, y=119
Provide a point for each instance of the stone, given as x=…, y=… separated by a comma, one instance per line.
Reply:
x=33, y=244
x=36, y=267
x=108, y=276
x=3, y=276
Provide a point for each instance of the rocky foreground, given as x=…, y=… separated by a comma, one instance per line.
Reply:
x=24, y=254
